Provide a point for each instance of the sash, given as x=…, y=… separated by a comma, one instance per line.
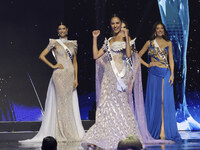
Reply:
x=120, y=84
x=129, y=60
x=159, y=53
x=66, y=49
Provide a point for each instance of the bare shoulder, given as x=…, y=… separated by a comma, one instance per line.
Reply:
x=169, y=43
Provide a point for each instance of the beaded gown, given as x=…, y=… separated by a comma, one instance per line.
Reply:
x=61, y=117
x=114, y=117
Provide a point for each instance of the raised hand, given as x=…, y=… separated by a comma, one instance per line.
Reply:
x=96, y=33
x=125, y=31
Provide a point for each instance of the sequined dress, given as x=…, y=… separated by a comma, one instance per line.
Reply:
x=114, y=116
x=62, y=117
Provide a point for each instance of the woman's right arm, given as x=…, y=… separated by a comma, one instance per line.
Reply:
x=96, y=53
x=141, y=53
x=43, y=58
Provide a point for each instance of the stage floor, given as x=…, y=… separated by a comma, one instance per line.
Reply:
x=191, y=141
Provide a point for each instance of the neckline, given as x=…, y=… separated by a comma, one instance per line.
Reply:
x=64, y=39
x=114, y=42
x=64, y=42
x=159, y=45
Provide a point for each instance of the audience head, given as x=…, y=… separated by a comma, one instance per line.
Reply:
x=130, y=143
x=49, y=143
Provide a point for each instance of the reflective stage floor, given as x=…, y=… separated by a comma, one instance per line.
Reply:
x=191, y=141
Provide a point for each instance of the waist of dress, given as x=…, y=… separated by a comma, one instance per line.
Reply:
x=159, y=71
x=161, y=64
x=64, y=61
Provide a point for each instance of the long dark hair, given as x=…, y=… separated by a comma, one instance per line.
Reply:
x=61, y=23
x=116, y=15
x=125, y=22
x=153, y=36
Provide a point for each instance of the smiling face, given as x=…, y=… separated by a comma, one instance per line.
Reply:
x=62, y=31
x=160, y=30
x=115, y=24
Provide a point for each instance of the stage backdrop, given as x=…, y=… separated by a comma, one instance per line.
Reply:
x=26, y=26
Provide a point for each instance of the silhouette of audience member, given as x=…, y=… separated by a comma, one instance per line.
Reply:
x=129, y=143
x=49, y=143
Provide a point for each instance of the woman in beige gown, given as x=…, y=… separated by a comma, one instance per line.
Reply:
x=61, y=117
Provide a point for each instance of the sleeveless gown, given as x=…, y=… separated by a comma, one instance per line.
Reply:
x=153, y=100
x=61, y=117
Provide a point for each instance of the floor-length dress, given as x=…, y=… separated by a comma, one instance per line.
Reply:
x=114, y=117
x=153, y=100
x=61, y=117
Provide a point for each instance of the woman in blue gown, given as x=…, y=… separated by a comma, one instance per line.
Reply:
x=159, y=101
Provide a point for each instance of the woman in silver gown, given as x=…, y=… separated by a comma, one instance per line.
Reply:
x=114, y=117
x=61, y=117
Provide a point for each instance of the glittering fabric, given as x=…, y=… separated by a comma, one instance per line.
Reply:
x=61, y=118
x=114, y=116
x=135, y=88
x=63, y=80
x=158, y=54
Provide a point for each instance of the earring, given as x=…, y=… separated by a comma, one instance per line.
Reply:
x=155, y=34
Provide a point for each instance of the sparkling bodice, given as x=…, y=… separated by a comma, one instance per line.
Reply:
x=60, y=53
x=119, y=54
x=153, y=52
x=118, y=51
x=63, y=80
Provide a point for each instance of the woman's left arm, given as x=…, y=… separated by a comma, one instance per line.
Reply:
x=171, y=63
x=128, y=47
x=75, y=64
